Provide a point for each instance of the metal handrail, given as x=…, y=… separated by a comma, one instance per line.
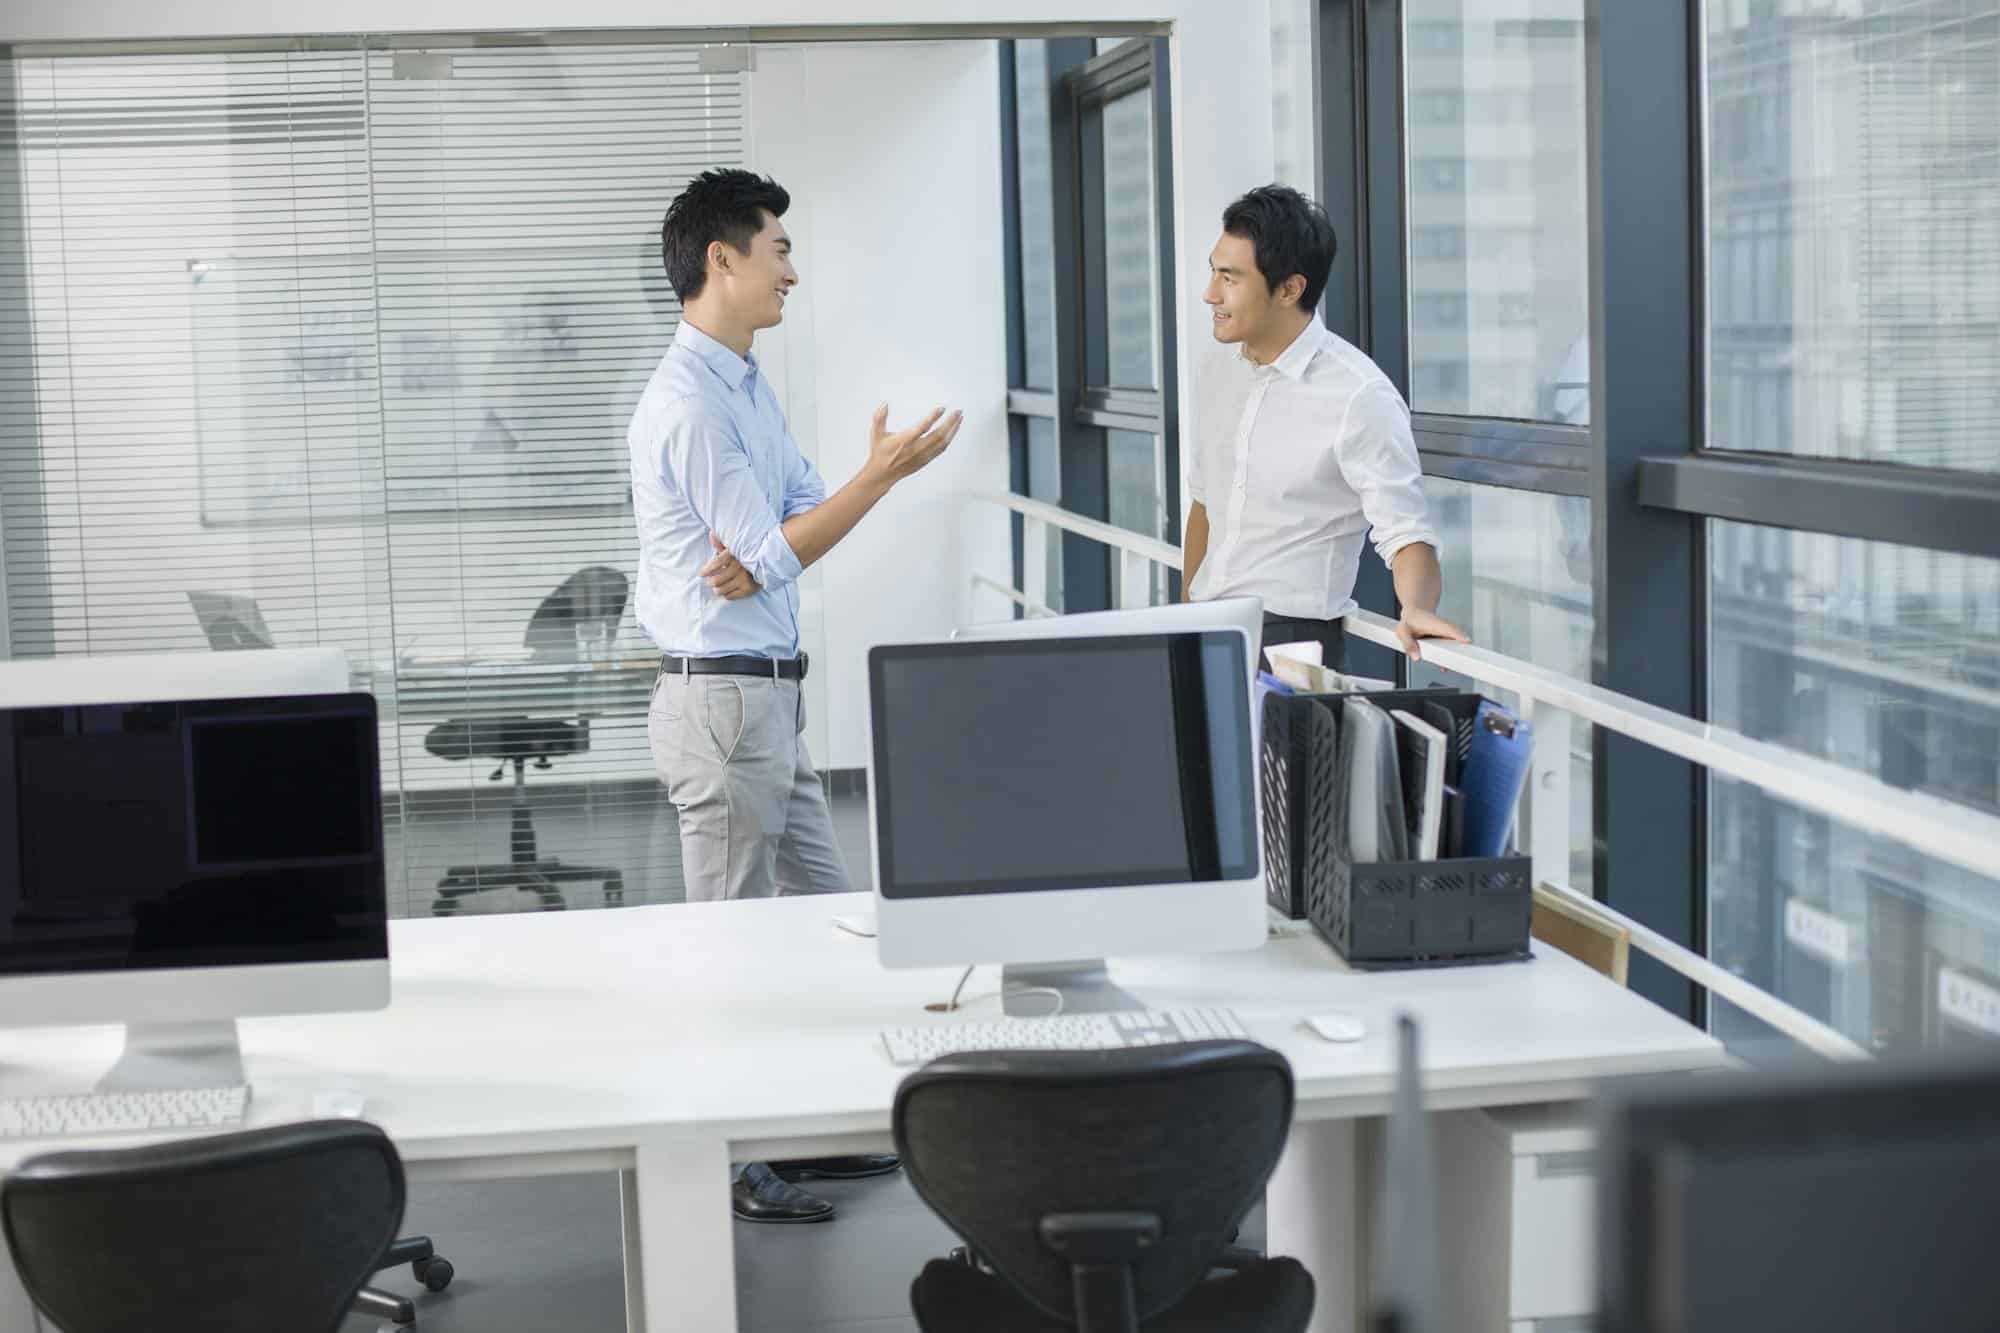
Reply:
x=1931, y=825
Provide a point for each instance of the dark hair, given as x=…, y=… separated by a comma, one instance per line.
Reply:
x=1291, y=234
x=719, y=205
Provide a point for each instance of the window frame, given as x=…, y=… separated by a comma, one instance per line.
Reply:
x=1082, y=411
x=1653, y=476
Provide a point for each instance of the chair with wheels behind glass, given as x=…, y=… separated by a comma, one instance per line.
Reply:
x=573, y=623
x=1100, y=1190
x=274, y=1228
x=232, y=622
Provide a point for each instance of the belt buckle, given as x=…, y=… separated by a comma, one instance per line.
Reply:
x=805, y=663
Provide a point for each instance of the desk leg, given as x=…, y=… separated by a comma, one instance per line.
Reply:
x=680, y=1243
x=1312, y=1211
x=635, y=1258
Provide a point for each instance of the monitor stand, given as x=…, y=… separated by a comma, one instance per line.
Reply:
x=1085, y=986
x=165, y=1056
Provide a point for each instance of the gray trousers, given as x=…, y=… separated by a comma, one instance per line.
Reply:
x=754, y=820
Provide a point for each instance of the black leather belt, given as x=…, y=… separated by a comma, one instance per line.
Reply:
x=770, y=668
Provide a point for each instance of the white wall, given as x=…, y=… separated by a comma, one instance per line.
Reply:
x=892, y=156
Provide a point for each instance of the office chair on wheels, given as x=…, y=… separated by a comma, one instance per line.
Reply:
x=585, y=605
x=269, y=1228
x=1099, y=1190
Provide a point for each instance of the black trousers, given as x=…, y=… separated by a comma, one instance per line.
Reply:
x=1329, y=634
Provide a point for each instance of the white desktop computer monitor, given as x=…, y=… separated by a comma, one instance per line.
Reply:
x=1043, y=802
x=175, y=863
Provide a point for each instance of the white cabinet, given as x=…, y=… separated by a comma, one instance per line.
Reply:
x=1517, y=1214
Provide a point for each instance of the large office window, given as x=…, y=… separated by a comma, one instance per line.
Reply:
x=1853, y=224
x=1887, y=660
x=1092, y=381
x=1498, y=237
x=338, y=347
x=1517, y=577
x=1854, y=313
x=1490, y=331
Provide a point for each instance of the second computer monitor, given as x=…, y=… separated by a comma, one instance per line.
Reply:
x=1050, y=799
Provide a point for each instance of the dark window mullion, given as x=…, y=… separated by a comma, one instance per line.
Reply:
x=1361, y=175
x=1081, y=449
x=1017, y=360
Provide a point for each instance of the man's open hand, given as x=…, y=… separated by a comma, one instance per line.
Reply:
x=1418, y=625
x=897, y=454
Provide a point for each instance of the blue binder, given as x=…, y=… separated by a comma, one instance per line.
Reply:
x=1496, y=769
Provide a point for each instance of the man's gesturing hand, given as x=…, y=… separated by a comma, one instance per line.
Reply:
x=898, y=455
x=726, y=574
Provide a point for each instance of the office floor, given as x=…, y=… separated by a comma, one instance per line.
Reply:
x=535, y=1256
x=541, y=1255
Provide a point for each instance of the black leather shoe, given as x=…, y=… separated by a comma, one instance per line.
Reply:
x=759, y=1196
x=855, y=1166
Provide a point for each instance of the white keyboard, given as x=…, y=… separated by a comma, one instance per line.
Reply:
x=122, y=1112
x=1065, y=1032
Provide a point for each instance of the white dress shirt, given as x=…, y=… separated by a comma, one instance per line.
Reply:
x=1295, y=462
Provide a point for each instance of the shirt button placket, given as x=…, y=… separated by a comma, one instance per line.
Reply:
x=1240, y=475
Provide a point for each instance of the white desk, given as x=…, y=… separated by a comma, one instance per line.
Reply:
x=665, y=1042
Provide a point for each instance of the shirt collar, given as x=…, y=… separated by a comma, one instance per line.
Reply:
x=731, y=369
x=1292, y=362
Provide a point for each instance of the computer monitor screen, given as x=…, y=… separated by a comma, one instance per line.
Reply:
x=1018, y=766
x=1843, y=1200
x=190, y=834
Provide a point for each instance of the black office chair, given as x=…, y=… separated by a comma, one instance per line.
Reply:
x=1098, y=1191
x=231, y=622
x=593, y=598
x=271, y=1228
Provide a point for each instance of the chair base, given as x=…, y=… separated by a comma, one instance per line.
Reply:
x=544, y=878
x=375, y=1304
x=430, y=1268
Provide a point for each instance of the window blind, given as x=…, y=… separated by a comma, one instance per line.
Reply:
x=339, y=347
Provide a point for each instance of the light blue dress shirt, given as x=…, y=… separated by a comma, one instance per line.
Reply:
x=711, y=454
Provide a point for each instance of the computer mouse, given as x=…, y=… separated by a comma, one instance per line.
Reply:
x=339, y=1104
x=1336, y=1027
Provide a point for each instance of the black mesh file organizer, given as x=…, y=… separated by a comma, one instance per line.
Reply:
x=1384, y=913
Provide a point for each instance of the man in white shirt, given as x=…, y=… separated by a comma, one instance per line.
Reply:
x=1302, y=445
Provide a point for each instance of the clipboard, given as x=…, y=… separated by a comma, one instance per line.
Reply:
x=1496, y=769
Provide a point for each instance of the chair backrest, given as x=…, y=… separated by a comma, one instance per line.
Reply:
x=593, y=593
x=270, y=1228
x=230, y=622
x=995, y=1141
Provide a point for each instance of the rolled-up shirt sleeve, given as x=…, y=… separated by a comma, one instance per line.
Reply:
x=804, y=488
x=701, y=456
x=1378, y=457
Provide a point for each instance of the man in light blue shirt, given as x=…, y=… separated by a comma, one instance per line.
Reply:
x=730, y=513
